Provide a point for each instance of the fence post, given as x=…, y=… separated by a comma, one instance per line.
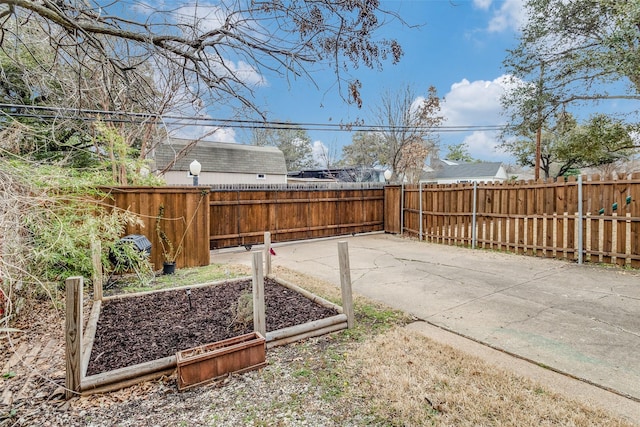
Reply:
x=345, y=283
x=627, y=245
x=580, y=230
x=73, y=336
x=474, y=232
x=402, y=210
x=267, y=253
x=259, y=322
x=420, y=208
x=614, y=238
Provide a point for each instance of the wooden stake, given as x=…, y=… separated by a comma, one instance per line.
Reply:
x=73, y=336
x=267, y=253
x=345, y=283
x=96, y=249
x=259, y=321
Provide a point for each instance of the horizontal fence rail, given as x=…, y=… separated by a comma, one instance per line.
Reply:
x=590, y=218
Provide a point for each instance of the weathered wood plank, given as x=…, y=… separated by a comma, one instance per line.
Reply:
x=90, y=335
x=259, y=318
x=73, y=336
x=345, y=283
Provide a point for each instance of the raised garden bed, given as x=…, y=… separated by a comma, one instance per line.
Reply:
x=150, y=326
x=133, y=338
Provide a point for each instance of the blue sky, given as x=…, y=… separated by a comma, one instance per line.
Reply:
x=458, y=46
x=455, y=45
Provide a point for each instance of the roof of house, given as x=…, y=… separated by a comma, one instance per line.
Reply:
x=343, y=174
x=469, y=170
x=462, y=171
x=222, y=157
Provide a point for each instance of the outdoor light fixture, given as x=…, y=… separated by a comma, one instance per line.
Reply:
x=195, y=167
x=387, y=175
x=189, y=297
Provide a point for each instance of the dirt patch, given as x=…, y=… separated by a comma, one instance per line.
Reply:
x=152, y=326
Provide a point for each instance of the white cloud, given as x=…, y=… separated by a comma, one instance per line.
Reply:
x=475, y=103
x=203, y=18
x=482, y=4
x=246, y=73
x=319, y=153
x=510, y=16
x=143, y=8
x=484, y=146
x=208, y=133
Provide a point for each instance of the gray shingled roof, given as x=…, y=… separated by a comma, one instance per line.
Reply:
x=223, y=157
x=468, y=170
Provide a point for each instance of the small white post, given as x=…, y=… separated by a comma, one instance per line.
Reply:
x=267, y=253
x=259, y=321
x=345, y=283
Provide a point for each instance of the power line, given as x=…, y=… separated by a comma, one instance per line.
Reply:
x=175, y=120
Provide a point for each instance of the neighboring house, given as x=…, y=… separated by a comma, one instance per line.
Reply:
x=346, y=174
x=222, y=163
x=448, y=172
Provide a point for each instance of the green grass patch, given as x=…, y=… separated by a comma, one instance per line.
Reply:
x=182, y=277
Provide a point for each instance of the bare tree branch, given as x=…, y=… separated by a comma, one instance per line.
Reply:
x=276, y=37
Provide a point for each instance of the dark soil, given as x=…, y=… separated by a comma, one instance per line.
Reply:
x=144, y=328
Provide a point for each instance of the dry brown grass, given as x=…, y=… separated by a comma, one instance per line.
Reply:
x=378, y=374
x=408, y=379
x=414, y=380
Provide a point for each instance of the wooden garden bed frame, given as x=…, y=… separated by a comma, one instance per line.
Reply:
x=79, y=345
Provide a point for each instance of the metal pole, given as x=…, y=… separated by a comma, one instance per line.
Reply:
x=538, y=152
x=195, y=180
x=474, y=236
x=580, y=230
x=420, y=193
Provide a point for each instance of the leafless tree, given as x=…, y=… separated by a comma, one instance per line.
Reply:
x=409, y=124
x=412, y=158
x=223, y=50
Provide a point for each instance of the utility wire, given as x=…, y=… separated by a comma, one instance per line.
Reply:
x=17, y=110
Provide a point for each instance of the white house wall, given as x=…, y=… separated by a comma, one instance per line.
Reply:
x=213, y=178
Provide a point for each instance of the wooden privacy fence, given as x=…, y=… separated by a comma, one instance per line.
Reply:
x=240, y=216
x=589, y=218
x=185, y=221
x=198, y=219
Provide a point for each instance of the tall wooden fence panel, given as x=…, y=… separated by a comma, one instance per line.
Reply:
x=392, y=208
x=539, y=218
x=241, y=216
x=185, y=220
